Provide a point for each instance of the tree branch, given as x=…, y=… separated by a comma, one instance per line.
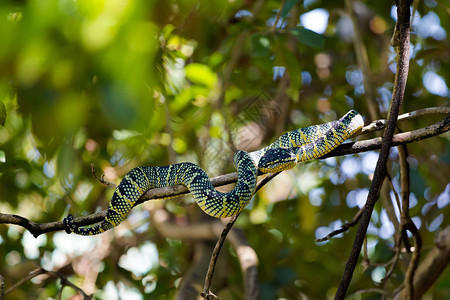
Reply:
x=2, y=288
x=191, y=283
x=407, y=223
x=344, y=227
x=431, y=266
x=62, y=278
x=381, y=124
x=438, y=128
x=403, y=22
x=211, y=231
x=207, y=294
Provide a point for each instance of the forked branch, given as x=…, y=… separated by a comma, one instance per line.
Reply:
x=438, y=128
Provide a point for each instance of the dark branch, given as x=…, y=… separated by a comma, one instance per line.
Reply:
x=37, y=229
x=431, y=267
x=2, y=288
x=407, y=223
x=401, y=76
x=344, y=227
x=207, y=294
x=212, y=231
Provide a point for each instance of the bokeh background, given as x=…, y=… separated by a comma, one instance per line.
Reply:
x=122, y=83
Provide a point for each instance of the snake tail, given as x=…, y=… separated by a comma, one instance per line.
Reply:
x=140, y=179
x=295, y=146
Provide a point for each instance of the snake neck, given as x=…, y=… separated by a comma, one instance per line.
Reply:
x=312, y=142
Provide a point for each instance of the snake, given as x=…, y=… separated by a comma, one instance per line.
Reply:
x=287, y=151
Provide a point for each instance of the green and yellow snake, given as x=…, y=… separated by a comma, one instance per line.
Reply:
x=295, y=146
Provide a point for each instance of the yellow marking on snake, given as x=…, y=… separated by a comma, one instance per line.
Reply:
x=304, y=143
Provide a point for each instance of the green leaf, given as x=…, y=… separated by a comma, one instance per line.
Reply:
x=289, y=4
x=260, y=45
x=308, y=37
x=201, y=74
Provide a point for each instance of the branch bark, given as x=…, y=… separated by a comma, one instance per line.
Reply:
x=407, y=223
x=431, y=267
x=403, y=24
x=438, y=128
x=2, y=288
x=211, y=231
x=207, y=294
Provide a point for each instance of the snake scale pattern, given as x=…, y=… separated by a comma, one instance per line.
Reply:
x=295, y=146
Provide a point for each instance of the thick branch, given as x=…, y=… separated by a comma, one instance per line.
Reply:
x=37, y=229
x=401, y=76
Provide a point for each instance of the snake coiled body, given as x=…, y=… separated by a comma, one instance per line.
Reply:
x=295, y=146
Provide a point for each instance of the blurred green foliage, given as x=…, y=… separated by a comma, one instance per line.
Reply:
x=126, y=83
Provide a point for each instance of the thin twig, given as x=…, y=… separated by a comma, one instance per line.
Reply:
x=366, y=260
x=404, y=181
x=207, y=294
x=30, y=276
x=394, y=260
x=398, y=236
x=42, y=271
x=381, y=124
x=211, y=231
x=37, y=229
x=397, y=198
x=102, y=178
x=403, y=235
x=344, y=227
x=388, y=204
x=2, y=288
x=407, y=223
x=280, y=10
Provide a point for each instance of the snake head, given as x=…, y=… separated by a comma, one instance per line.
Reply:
x=277, y=159
x=354, y=122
